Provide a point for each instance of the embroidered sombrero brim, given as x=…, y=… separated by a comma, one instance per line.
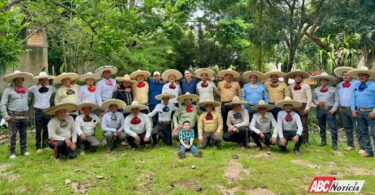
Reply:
x=99, y=71
x=129, y=108
x=89, y=75
x=259, y=75
x=292, y=74
x=161, y=96
x=125, y=79
x=268, y=106
x=88, y=104
x=120, y=104
x=240, y=102
x=208, y=102
x=235, y=74
x=354, y=73
x=169, y=72
x=274, y=72
x=199, y=72
x=282, y=103
x=69, y=107
x=145, y=73
x=44, y=75
x=328, y=77
x=73, y=76
x=339, y=70
x=193, y=97
x=17, y=74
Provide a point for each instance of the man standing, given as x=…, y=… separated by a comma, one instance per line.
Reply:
x=105, y=87
x=277, y=90
x=156, y=86
x=188, y=83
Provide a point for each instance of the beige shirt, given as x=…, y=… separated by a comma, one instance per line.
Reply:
x=141, y=94
x=277, y=93
x=67, y=95
x=58, y=132
x=227, y=94
x=214, y=125
x=303, y=95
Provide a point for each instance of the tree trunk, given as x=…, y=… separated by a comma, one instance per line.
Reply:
x=366, y=58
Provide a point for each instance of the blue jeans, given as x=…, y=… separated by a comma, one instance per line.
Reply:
x=366, y=125
x=323, y=118
x=349, y=124
x=193, y=149
x=41, y=122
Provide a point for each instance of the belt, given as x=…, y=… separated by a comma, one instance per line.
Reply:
x=38, y=110
x=164, y=122
x=16, y=113
x=365, y=109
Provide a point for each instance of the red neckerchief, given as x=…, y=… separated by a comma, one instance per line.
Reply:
x=141, y=84
x=288, y=117
x=323, y=89
x=91, y=89
x=135, y=121
x=189, y=109
x=20, y=90
x=346, y=84
x=108, y=82
x=297, y=87
x=209, y=116
x=204, y=84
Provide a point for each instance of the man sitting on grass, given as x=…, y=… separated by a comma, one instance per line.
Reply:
x=186, y=137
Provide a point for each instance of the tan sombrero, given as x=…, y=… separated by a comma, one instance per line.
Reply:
x=87, y=103
x=288, y=100
x=274, y=72
x=134, y=104
x=165, y=94
x=145, y=73
x=293, y=73
x=199, y=72
x=324, y=75
x=43, y=75
x=18, y=74
x=262, y=104
x=339, y=70
x=169, y=72
x=73, y=76
x=235, y=74
x=188, y=95
x=120, y=104
x=258, y=74
x=236, y=100
x=69, y=107
x=205, y=102
x=99, y=71
x=125, y=78
x=362, y=70
x=88, y=75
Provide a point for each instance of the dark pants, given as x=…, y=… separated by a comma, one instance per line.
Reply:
x=258, y=141
x=349, y=125
x=162, y=131
x=18, y=125
x=41, y=134
x=207, y=137
x=60, y=148
x=366, y=125
x=323, y=118
x=142, y=136
x=224, y=113
x=305, y=132
x=240, y=137
x=275, y=111
x=288, y=135
x=112, y=140
x=91, y=143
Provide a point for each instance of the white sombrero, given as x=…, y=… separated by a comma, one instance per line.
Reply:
x=44, y=75
x=188, y=95
x=69, y=107
x=236, y=100
x=262, y=104
x=258, y=74
x=165, y=94
x=205, y=102
x=339, y=70
x=288, y=100
x=99, y=71
x=199, y=72
x=362, y=70
x=73, y=76
x=120, y=104
x=235, y=74
x=88, y=75
x=145, y=73
x=293, y=73
x=169, y=72
x=324, y=75
x=134, y=104
x=18, y=74
x=274, y=72
x=126, y=78
x=87, y=103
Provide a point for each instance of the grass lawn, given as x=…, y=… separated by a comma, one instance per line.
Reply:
x=158, y=171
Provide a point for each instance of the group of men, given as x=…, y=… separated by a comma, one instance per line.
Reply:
x=171, y=106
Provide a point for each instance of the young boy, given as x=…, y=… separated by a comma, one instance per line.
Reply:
x=186, y=137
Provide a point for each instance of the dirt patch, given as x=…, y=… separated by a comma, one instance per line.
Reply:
x=8, y=175
x=188, y=185
x=236, y=190
x=263, y=154
x=78, y=187
x=306, y=164
x=233, y=171
x=145, y=181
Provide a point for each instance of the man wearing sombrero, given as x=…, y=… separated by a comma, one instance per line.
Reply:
x=171, y=76
x=289, y=125
x=186, y=112
x=68, y=92
x=363, y=108
x=124, y=90
x=42, y=93
x=301, y=91
x=277, y=90
x=206, y=88
x=345, y=90
x=210, y=124
x=327, y=100
x=106, y=86
x=14, y=109
x=237, y=123
x=141, y=87
x=229, y=88
x=87, y=92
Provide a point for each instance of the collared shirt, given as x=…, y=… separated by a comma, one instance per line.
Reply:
x=113, y=121
x=238, y=119
x=303, y=95
x=122, y=94
x=346, y=93
x=252, y=93
x=330, y=98
x=190, y=87
x=144, y=125
x=294, y=125
x=261, y=123
x=141, y=93
x=214, y=125
x=175, y=91
x=186, y=136
x=67, y=95
x=87, y=128
x=13, y=101
x=155, y=89
x=103, y=91
x=61, y=130
x=164, y=112
x=182, y=115
x=207, y=92
x=277, y=93
x=42, y=100
x=364, y=99
x=227, y=94
x=85, y=95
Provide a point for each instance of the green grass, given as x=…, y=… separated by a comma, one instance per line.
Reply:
x=158, y=171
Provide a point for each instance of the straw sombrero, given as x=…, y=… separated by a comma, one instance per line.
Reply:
x=339, y=70
x=145, y=73
x=199, y=72
x=120, y=104
x=134, y=104
x=99, y=71
x=69, y=107
x=165, y=94
x=89, y=104
x=293, y=73
x=44, y=75
x=169, y=72
x=288, y=100
x=235, y=74
x=362, y=70
x=324, y=75
x=126, y=78
x=258, y=74
x=236, y=100
x=274, y=72
x=188, y=95
x=88, y=75
x=73, y=76
x=262, y=104
x=205, y=102
x=18, y=74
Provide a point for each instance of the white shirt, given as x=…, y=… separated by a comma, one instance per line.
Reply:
x=103, y=91
x=163, y=116
x=259, y=124
x=134, y=130
x=207, y=92
x=175, y=91
x=87, y=128
x=84, y=94
x=42, y=100
x=238, y=119
x=58, y=133
x=113, y=121
x=283, y=125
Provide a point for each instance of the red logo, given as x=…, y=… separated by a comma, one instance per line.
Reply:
x=321, y=184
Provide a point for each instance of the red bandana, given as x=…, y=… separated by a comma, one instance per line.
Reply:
x=346, y=84
x=141, y=84
x=172, y=86
x=204, y=84
x=20, y=90
x=189, y=109
x=323, y=89
x=288, y=117
x=91, y=89
x=108, y=82
x=209, y=117
x=297, y=87
x=135, y=121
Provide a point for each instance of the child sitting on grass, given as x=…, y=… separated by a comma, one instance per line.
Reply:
x=186, y=137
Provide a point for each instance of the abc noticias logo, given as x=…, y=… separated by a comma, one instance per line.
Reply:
x=325, y=184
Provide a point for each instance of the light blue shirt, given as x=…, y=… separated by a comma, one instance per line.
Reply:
x=113, y=121
x=330, y=98
x=345, y=94
x=253, y=94
x=365, y=98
